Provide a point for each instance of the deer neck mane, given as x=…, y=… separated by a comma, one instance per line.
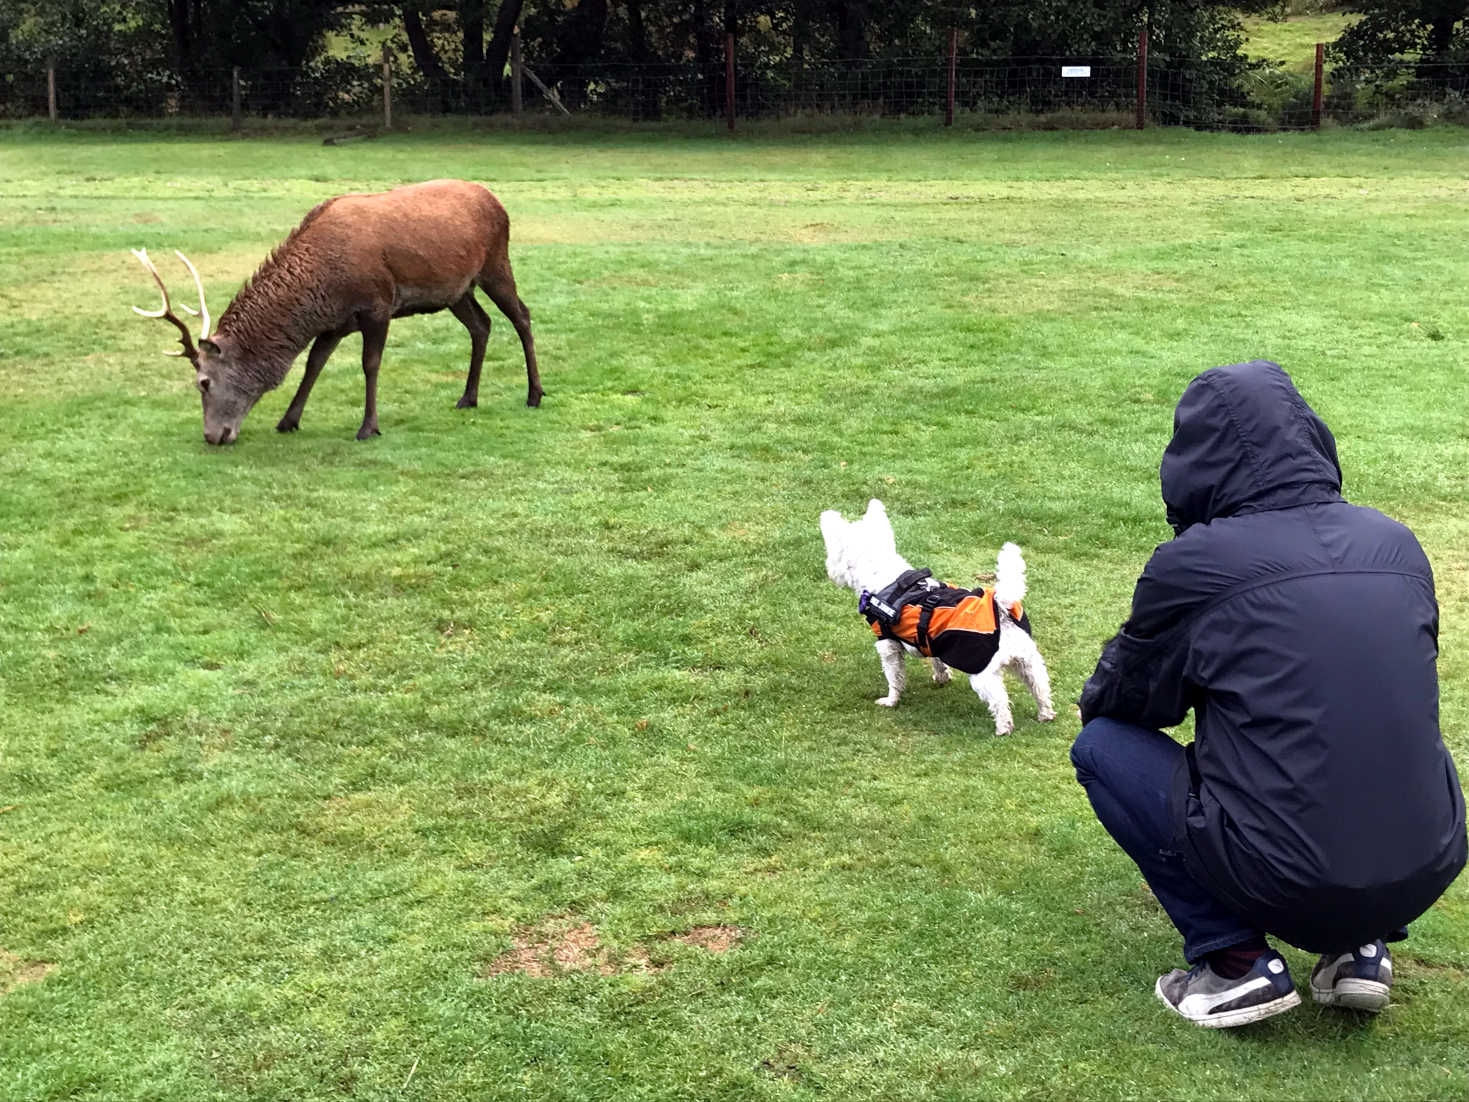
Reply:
x=278, y=311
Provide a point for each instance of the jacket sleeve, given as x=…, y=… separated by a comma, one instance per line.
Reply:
x=1141, y=676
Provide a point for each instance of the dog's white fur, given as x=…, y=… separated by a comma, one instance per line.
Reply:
x=862, y=554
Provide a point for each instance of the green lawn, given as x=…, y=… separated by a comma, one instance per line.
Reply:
x=311, y=747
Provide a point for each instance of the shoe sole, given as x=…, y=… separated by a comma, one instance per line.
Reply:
x=1354, y=994
x=1243, y=1016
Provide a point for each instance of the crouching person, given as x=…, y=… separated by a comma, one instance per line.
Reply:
x=1317, y=803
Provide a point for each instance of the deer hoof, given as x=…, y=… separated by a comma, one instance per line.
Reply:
x=466, y=402
x=285, y=424
x=364, y=432
x=533, y=399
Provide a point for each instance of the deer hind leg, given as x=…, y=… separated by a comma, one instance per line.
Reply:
x=499, y=284
x=316, y=359
x=374, y=337
x=474, y=318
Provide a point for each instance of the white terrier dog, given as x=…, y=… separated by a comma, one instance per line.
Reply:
x=980, y=632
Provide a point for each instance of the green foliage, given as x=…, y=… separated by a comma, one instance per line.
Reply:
x=82, y=37
x=1434, y=31
x=302, y=738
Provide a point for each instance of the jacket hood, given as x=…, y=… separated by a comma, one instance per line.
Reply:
x=1245, y=441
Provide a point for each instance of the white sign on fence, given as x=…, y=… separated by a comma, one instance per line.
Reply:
x=1076, y=70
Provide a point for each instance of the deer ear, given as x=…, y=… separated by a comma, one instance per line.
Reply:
x=207, y=345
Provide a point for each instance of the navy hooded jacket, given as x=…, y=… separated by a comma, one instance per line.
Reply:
x=1318, y=799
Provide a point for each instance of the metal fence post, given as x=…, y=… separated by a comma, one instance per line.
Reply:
x=235, y=98
x=1316, y=90
x=729, y=97
x=387, y=88
x=51, y=90
x=953, y=53
x=517, y=101
x=1142, y=78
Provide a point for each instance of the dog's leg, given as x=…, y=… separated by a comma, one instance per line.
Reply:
x=1032, y=670
x=891, y=653
x=989, y=686
x=940, y=671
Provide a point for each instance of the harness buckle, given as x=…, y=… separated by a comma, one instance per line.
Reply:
x=874, y=607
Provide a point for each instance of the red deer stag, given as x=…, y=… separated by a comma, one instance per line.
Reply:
x=353, y=264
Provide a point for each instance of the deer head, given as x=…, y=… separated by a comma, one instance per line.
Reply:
x=224, y=404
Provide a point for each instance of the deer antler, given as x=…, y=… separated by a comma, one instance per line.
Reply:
x=166, y=312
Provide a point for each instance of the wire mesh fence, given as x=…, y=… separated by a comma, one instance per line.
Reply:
x=1079, y=92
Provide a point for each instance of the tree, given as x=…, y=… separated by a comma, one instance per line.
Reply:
x=1435, y=32
x=477, y=78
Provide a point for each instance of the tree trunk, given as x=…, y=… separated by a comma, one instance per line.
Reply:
x=1441, y=34
x=472, y=36
x=497, y=54
x=645, y=91
x=711, y=78
x=184, y=24
x=851, y=20
x=424, y=56
x=800, y=39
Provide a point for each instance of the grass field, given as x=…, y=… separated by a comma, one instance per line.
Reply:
x=313, y=751
x=1291, y=42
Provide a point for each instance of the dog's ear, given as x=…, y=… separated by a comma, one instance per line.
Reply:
x=878, y=525
x=832, y=525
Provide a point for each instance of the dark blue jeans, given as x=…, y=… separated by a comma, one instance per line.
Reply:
x=1128, y=774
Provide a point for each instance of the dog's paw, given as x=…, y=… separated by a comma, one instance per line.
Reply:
x=1045, y=715
x=1005, y=730
x=889, y=701
x=941, y=677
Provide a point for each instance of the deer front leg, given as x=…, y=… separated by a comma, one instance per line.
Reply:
x=316, y=359
x=891, y=653
x=374, y=337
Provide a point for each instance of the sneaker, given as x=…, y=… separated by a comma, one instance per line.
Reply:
x=1358, y=980
x=1208, y=999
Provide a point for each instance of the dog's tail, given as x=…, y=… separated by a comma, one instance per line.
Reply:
x=1009, y=577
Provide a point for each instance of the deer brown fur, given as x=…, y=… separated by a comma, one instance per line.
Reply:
x=354, y=263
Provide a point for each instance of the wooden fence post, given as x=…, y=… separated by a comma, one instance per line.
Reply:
x=235, y=98
x=1142, y=78
x=729, y=96
x=51, y=90
x=953, y=53
x=387, y=88
x=1316, y=91
x=517, y=100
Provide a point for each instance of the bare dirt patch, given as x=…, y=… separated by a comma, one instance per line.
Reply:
x=14, y=971
x=562, y=945
x=716, y=939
